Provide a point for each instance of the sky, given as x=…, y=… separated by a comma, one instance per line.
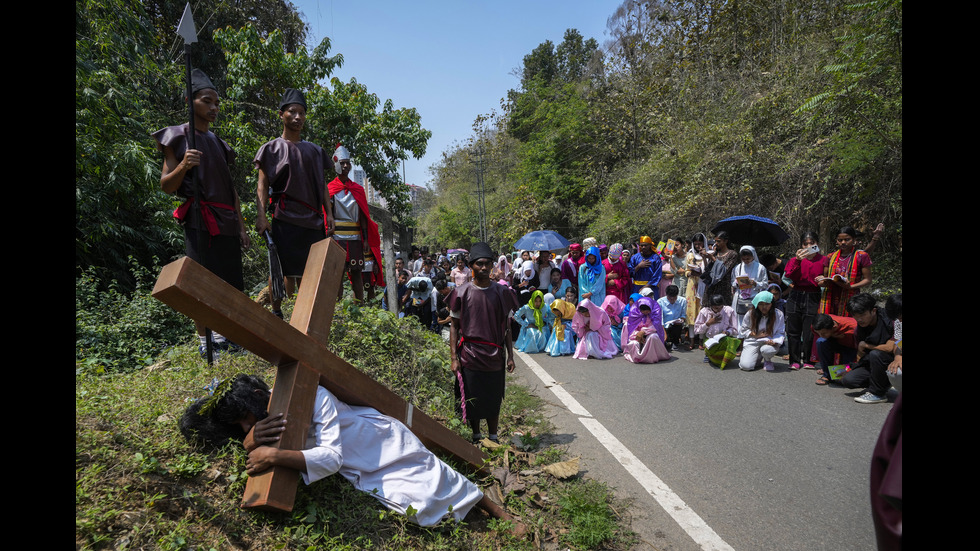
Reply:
x=451, y=60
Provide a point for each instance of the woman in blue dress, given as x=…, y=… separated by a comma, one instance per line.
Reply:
x=535, y=320
x=592, y=278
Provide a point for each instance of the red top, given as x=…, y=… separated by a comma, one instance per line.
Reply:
x=802, y=273
x=844, y=335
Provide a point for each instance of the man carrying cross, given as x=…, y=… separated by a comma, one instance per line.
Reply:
x=291, y=185
x=215, y=211
x=375, y=452
x=354, y=227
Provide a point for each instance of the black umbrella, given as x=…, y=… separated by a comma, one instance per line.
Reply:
x=751, y=230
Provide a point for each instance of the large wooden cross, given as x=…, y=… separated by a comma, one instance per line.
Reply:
x=299, y=349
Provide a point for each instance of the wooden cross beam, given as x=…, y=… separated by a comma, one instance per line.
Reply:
x=299, y=350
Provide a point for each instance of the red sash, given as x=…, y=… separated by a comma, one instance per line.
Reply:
x=180, y=213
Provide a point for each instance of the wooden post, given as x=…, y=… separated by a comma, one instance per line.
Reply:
x=300, y=352
x=387, y=243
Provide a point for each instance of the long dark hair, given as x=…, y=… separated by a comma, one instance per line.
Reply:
x=770, y=319
x=728, y=240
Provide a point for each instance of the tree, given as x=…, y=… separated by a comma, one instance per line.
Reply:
x=129, y=72
x=260, y=69
x=119, y=212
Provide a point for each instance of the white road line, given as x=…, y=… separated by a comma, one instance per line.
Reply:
x=694, y=525
x=562, y=394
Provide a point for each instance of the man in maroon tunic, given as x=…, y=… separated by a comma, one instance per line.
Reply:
x=480, y=332
x=219, y=217
x=291, y=186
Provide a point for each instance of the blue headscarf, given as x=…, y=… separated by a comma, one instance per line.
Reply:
x=634, y=297
x=593, y=270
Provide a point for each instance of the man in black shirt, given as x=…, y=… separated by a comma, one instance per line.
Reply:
x=875, y=347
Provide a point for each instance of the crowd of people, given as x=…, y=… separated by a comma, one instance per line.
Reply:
x=598, y=301
x=645, y=301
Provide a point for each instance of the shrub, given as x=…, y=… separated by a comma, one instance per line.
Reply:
x=115, y=330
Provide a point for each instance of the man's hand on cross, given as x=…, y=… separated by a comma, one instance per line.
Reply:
x=266, y=431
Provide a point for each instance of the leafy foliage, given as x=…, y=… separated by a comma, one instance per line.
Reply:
x=129, y=69
x=119, y=330
x=119, y=213
x=791, y=110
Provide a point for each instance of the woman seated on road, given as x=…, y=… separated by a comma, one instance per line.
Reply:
x=562, y=338
x=717, y=324
x=762, y=333
x=614, y=308
x=535, y=320
x=643, y=337
x=591, y=326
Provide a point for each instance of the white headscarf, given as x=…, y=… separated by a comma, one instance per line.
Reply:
x=751, y=269
x=527, y=265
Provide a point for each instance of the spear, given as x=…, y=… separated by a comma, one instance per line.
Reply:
x=188, y=31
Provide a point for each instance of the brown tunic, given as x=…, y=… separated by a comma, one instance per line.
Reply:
x=218, y=190
x=296, y=184
x=483, y=318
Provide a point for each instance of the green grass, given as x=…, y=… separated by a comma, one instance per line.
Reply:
x=139, y=485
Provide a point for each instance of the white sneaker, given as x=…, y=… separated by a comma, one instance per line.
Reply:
x=869, y=398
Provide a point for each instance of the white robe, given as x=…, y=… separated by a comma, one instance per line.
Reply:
x=380, y=456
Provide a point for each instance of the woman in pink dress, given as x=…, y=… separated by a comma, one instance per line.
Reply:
x=591, y=325
x=614, y=308
x=643, y=336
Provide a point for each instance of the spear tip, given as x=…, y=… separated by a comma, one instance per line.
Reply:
x=186, y=28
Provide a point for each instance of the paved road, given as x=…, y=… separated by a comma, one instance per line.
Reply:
x=718, y=459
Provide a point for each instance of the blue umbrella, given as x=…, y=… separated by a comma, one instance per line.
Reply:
x=751, y=230
x=541, y=240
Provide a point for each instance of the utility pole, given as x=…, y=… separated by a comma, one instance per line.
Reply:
x=480, y=192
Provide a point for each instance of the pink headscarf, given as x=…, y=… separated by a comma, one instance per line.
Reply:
x=614, y=307
x=596, y=321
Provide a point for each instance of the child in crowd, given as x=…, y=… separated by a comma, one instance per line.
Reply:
x=762, y=333
x=674, y=308
x=562, y=338
x=614, y=308
x=535, y=320
x=717, y=325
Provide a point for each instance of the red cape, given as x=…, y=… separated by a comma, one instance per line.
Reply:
x=373, y=237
